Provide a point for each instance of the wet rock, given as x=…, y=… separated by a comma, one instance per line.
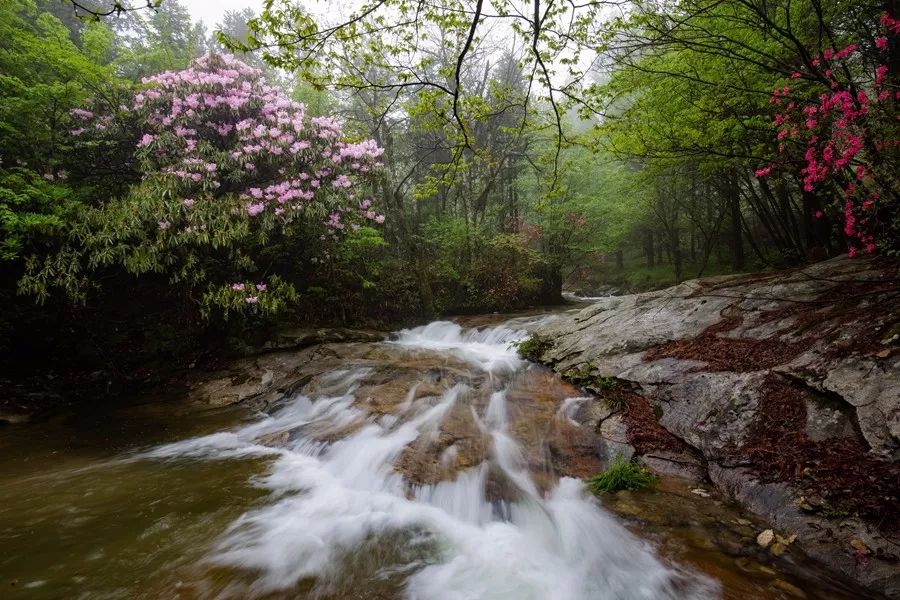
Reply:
x=778, y=549
x=593, y=412
x=11, y=417
x=614, y=439
x=298, y=338
x=765, y=538
x=821, y=538
x=790, y=588
x=275, y=440
x=674, y=464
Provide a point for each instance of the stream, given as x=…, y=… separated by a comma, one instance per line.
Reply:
x=433, y=466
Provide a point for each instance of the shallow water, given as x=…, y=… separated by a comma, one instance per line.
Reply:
x=450, y=482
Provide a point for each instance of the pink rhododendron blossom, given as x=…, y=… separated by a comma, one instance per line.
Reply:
x=218, y=130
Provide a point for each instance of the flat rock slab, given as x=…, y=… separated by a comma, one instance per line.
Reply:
x=802, y=366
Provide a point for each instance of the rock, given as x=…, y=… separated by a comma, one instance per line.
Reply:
x=675, y=464
x=828, y=418
x=614, y=439
x=873, y=389
x=298, y=338
x=860, y=546
x=717, y=359
x=765, y=538
x=790, y=588
x=14, y=418
x=275, y=440
x=701, y=492
x=822, y=539
x=593, y=412
x=786, y=541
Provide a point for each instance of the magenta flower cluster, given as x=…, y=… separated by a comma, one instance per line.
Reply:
x=839, y=137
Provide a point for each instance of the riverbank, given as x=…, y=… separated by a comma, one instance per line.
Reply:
x=781, y=389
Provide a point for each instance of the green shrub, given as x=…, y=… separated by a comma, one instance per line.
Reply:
x=473, y=269
x=622, y=474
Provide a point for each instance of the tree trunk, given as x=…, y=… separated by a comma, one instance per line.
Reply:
x=649, y=250
x=738, y=260
x=676, y=253
x=551, y=284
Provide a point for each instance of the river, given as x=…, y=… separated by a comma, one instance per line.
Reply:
x=436, y=465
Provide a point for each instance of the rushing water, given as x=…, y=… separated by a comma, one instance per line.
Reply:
x=444, y=490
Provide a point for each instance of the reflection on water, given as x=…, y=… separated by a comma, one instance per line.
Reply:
x=369, y=482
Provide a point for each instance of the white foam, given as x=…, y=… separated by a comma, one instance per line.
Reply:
x=490, y=348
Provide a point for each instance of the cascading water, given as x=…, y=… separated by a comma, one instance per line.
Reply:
x=340, y=512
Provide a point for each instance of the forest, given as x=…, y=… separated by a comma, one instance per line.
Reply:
x=163, y=184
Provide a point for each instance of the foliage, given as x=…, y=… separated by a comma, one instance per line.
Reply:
x=521, y=152
x=622, y=474
x=533, y=347
x=357, y=279
x=473, y=269
x=46, y=71
x=846, y=138
x=230, y=167
x=692, y=105
x=33, y=209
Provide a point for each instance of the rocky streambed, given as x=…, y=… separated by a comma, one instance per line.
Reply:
x=436, y=463
x=780, y=390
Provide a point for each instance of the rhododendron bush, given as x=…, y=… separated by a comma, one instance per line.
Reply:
x=231, y=168
x=838, y=128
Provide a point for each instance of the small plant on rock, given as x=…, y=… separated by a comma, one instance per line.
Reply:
x=533, y=347
x=622, y=474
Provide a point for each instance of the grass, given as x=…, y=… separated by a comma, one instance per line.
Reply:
x=622, y=474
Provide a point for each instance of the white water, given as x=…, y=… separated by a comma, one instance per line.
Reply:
x=330, y=503
x=490, y=348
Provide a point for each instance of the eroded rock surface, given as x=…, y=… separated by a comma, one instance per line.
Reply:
x=783, y=388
